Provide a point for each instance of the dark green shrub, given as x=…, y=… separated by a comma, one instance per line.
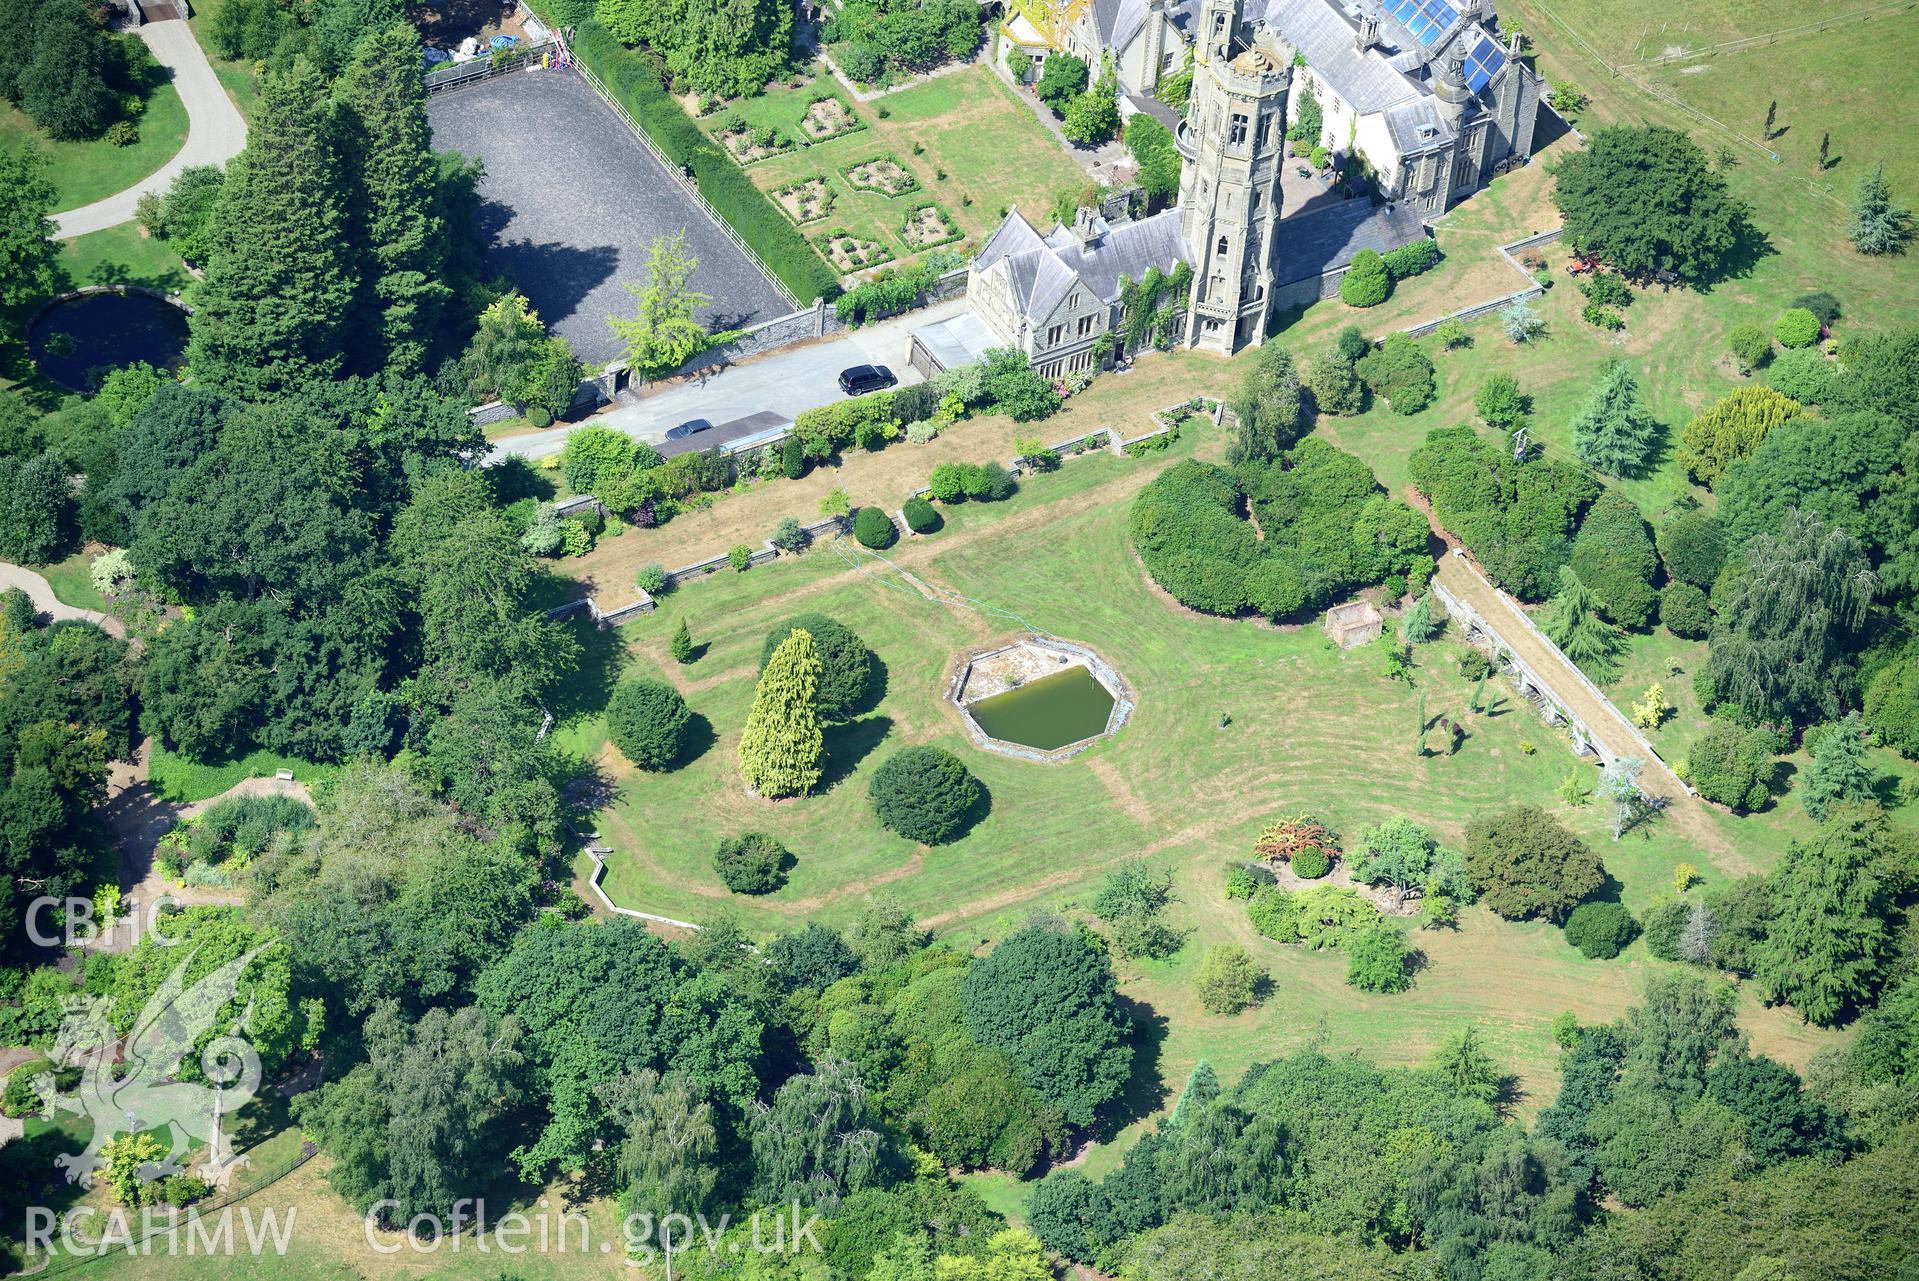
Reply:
x=1663, y=927
x=1412, y=258
x=1892, y=701
x=846, y=664
x=1311, y=863
x=647, y=721
x=751, y=864
x=925, y=794
x=538, y=416
x=1474, y=665
x=1693, y=546
x=1613, y=555
x=996, y=484
x=792, y=458
x=874, y=528
x=1517, y=519
x=1401, y=373
x=1378, y=960
x=1804, y=374
x=1823, y=306
x=1366, y=282
x=1685, y=610
x=1353, y=345
x=1600, y=930
x=1733, y=765
x=920, y=516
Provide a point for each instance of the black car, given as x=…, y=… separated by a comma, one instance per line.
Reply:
x=861, y=379
x=691, y=427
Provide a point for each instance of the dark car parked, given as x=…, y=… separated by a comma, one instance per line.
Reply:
x=861, y=379
x=691, y=427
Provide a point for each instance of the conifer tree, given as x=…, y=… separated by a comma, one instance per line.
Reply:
x=1838, y=771
x=1879, y=226
x=1571, y=619
x=272, y=312
x=1202, y=1087
x=780, y=750
x=681, y=646
x=1613, y=432
x=388, y=148
x=1826, y=938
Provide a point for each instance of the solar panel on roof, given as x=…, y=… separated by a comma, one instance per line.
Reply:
x=1483, y=64
x=1428, y=20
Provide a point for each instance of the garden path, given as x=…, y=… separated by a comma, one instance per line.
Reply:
x=215, y=129
x=40, y=592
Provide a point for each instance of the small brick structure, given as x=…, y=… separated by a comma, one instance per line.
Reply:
x=1354, y=623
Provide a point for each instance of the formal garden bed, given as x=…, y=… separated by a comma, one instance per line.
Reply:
x=748, y=144
x=829, y=117
x=848, y=253
x=886, y=175
x=928, y=227
x=808, y=200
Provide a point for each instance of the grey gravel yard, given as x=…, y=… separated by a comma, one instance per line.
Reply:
x=572, y=201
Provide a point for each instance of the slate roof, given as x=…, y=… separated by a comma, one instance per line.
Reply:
x=1118, y=21
x=1326, y=239
x=1367, y=80
x=1042, y=269
x=1406, y=120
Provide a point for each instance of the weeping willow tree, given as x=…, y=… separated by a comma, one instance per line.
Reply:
x=1782, y=642
x=1571, y=619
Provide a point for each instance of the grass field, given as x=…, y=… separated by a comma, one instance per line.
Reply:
x=72, y=581
x=951, y=118
x=1842, y=80
x=175, y=778
x=84, y=171
x=122, y=256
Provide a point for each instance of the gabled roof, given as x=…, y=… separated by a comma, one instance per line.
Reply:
x=1043, y=270
x=1366, y=79
x=1118, y=21
x=1417, y=126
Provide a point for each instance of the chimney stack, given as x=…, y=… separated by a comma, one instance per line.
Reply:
x=1368, y=34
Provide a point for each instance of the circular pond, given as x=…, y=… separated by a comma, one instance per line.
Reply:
x=78, y=339
x=1039, y=698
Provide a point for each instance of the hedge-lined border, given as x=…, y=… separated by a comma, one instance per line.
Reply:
x=823, y=240
x=951, y=224
x=636, y=83
x=858, y=122
x=846, y=174
x=832, y=198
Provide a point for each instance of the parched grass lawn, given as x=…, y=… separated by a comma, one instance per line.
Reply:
x=1307, y=726
x=85, y=171
x=1843, y=80
x=123, y=256
x=968, y=125
x=175, y=778
x=237, y=78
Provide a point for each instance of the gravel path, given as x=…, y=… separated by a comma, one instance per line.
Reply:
x=215, y=129
x=572, y=202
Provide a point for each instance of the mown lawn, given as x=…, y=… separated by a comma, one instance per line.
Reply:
x=72, y=581
x=123, y=256
x=1236, y=722
x=87, y=170
x=968, y=126
x=183, y=781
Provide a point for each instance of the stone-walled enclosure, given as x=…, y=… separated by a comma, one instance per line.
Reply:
x=981, y=673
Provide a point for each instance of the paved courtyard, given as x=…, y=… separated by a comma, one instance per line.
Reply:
x=572, y=202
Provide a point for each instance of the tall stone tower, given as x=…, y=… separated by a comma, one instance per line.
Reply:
x=1234, y=142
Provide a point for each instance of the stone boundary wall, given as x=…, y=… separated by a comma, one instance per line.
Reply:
x=1533, y=288
x=1123, y=702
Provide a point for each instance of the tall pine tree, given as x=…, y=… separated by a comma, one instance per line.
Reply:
x=388, y=148
x=1826, y=938
x=1613, y=432
x=780, y=750
x=1879, y=224
x=271, y=315
x=1839, y=770
x=1572, y=620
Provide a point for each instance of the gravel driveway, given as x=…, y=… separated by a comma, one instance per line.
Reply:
x=572, y=202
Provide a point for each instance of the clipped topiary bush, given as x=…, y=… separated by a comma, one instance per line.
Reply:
x=1685, y=610
x=1412, y=258
x=754, y=863
x=1750, y=345
x=1804, y=374
x=1600, y=930
x=647, y=721
x=846, y=664
x=1796, y=327
x=925, y=794
x=874, y=528
x=1311, y=863
x=920, y=516
x=1366, y=282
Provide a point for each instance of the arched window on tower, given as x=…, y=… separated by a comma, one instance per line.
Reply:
x=1221, y=250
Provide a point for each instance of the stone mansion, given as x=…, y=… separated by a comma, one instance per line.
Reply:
x=1423, y=94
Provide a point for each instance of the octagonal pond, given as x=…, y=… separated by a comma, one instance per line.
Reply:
x=1048, y=713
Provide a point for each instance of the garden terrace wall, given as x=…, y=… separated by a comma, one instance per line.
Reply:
x=632, y=81
x=1533, y=288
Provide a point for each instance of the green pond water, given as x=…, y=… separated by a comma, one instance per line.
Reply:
x=1047, y=713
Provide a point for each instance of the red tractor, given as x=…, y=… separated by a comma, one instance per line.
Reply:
x=1583, y=266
